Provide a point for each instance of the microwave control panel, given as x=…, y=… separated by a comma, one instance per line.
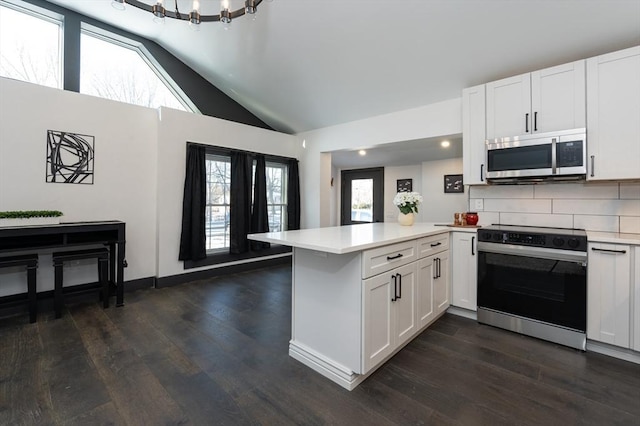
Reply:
x=569, y=154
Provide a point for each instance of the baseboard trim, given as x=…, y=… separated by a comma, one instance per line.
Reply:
x=172, y=280
x=613, y=351
x=17, y=303
x=461, y=312
x=333, y=371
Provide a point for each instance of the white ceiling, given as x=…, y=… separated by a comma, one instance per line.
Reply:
x=400, y=153
x=307, y=64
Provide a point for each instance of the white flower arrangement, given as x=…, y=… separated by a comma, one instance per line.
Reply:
x=407, y=202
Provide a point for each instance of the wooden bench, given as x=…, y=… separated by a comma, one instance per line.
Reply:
x=59, y=258
x=30, y=261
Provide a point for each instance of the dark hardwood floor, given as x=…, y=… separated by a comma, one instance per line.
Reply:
x=215, y=352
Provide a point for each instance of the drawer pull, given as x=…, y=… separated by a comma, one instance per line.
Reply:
x=397, y=256
x=436, y=244
x=395, y=287
x=608, y=250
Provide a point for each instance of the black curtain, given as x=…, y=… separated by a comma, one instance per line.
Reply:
x=192, y=238
x=259, y=214
x=293, y=196
x=240, y=203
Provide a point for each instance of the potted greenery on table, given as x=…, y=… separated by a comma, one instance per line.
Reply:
x=29, y=217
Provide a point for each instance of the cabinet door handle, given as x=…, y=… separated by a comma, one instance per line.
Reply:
x=481, y=172
x=436, y=244
x=395, y=288
x=535, y=121
x=593, y=160
x=397, y=256
x=526, y=123
x=609, y=250
x=473, y=240
x=435, y=268
x=399, y=296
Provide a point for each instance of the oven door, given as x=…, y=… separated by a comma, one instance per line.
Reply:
x=543, y=284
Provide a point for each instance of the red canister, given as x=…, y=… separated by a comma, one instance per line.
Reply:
x=472, y=218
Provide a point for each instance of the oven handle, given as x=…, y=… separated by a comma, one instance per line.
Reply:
x=537, y=252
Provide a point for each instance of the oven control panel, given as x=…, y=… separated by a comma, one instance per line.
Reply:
x=562, y=239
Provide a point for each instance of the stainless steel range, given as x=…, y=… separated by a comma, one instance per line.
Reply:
x=534, y=281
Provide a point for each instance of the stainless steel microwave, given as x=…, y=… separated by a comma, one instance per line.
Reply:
x=541, y=156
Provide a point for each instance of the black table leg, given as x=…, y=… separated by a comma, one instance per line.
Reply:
x=120, y=274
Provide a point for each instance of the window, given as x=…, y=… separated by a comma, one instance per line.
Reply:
x=276, y=196
x=116, y=70
x=30, y=46
x=218, y=175
x=218, y=170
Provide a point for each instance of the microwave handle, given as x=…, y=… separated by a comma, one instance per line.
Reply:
x=553, y=155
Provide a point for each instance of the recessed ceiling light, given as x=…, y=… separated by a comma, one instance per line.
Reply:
x=445, y=144
x=362, y=152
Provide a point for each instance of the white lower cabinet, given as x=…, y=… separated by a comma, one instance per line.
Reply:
x=464, y=273
x=389, y=313
x=398, y=303
x=441, y=287
x=433, y=294
x=636, y=303
x=609, y=294
x=426, y=277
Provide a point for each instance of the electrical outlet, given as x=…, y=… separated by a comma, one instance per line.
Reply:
x=479, y=204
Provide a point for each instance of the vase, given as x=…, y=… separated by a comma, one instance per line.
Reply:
x=472, y=218
x=405, y=219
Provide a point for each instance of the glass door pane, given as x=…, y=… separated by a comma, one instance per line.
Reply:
x=362, y=200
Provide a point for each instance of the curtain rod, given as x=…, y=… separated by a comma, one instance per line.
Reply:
x=229, y=150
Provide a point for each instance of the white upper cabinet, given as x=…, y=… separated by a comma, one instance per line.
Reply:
x=613, y=115
x=473, y=135
x=509, y=106
x=543, y=101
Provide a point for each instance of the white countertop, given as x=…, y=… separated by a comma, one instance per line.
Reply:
x=351, y=238
x=613, y=237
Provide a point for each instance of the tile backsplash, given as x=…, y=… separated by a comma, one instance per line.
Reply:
x=608, y=207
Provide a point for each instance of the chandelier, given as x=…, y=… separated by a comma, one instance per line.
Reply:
x=194, y=17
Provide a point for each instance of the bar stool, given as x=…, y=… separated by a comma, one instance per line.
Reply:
x=30, y=261
x=101, y=254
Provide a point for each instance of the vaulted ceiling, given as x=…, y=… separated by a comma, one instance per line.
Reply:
x=307, y=64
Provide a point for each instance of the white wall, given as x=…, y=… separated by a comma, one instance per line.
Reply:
x=608, y=207
x=124, y=185
x=391, y=175
x=443, y=118
x=176, y=128
x=140, y=156
x=439, y=206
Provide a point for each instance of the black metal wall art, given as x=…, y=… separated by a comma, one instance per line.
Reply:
x=453, y=183
x=404, y=185
x=69, y=157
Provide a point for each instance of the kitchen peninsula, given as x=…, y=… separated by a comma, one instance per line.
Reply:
x=362, y=292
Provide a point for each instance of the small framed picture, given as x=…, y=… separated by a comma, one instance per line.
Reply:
x=453, y=183
x=404, y=185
